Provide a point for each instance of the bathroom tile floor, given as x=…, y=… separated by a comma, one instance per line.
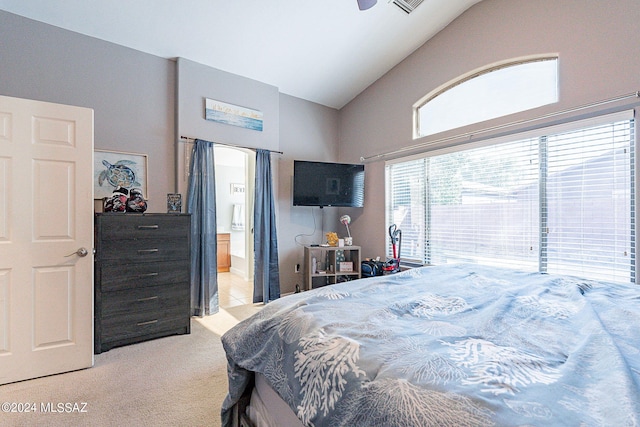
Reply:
x=233, y=290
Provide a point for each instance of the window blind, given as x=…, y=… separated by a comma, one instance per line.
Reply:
x=483, y=205
x=589, y=206
x=559, y=202
x=407, y=207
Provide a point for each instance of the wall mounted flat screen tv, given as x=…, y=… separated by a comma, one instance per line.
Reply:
x=328, y=184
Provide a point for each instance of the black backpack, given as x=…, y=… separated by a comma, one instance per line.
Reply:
x=371, y=268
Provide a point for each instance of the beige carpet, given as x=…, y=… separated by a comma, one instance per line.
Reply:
x=173, y=381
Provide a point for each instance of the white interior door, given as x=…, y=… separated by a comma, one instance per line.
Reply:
x=46, y=214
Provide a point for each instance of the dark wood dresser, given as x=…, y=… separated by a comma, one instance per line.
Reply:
x=142, y=277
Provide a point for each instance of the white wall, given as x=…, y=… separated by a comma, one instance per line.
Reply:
x=597, y=43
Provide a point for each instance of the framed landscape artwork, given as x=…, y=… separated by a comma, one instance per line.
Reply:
x=235, y=115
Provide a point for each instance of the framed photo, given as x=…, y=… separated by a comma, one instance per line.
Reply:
x=112, y=169
x=346, y=266
x=174, y=203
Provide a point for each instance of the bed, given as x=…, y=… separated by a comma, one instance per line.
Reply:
x=461, y=345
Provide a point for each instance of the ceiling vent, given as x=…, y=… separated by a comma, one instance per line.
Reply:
x=407, y=5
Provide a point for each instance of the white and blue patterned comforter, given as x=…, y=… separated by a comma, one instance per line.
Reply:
x=448, y=346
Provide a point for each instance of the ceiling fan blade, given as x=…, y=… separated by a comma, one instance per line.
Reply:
x=366, y=4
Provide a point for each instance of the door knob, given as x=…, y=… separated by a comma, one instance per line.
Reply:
x=82, y=252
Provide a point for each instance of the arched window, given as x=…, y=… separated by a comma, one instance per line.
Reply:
x=487, y=94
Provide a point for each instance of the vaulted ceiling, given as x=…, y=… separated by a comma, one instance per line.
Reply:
x=325, y=51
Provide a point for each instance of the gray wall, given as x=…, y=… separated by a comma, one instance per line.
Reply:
x=143, y=104
x=599, y=53
x=134, y=96
x=308, y=131
x=132, y=93
x=196, y=82
x=299, y=128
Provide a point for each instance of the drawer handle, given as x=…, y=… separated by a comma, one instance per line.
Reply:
x=147, y=251
x=147, y=299
x=148, y=227
x=150, y=322
x=147, y=275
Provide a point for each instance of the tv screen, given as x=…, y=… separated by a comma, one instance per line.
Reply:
x=328, y=184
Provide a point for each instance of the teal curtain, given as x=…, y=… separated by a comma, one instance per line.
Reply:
x=266, y=284
x=202, y=207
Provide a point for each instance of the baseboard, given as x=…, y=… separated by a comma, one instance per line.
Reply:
x=240, y=273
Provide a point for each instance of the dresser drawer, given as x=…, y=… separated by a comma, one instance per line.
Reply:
x=116, y=277
x=136, y=304
x=136, y=226
x=129, y=328
x=155, y=249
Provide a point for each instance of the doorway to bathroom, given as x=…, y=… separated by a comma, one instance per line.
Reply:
x=235, y=178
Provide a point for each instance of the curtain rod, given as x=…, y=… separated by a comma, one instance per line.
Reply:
x=499, y=127
x=229, y=145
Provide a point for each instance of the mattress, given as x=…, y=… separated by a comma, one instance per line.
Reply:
x=267, y=409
